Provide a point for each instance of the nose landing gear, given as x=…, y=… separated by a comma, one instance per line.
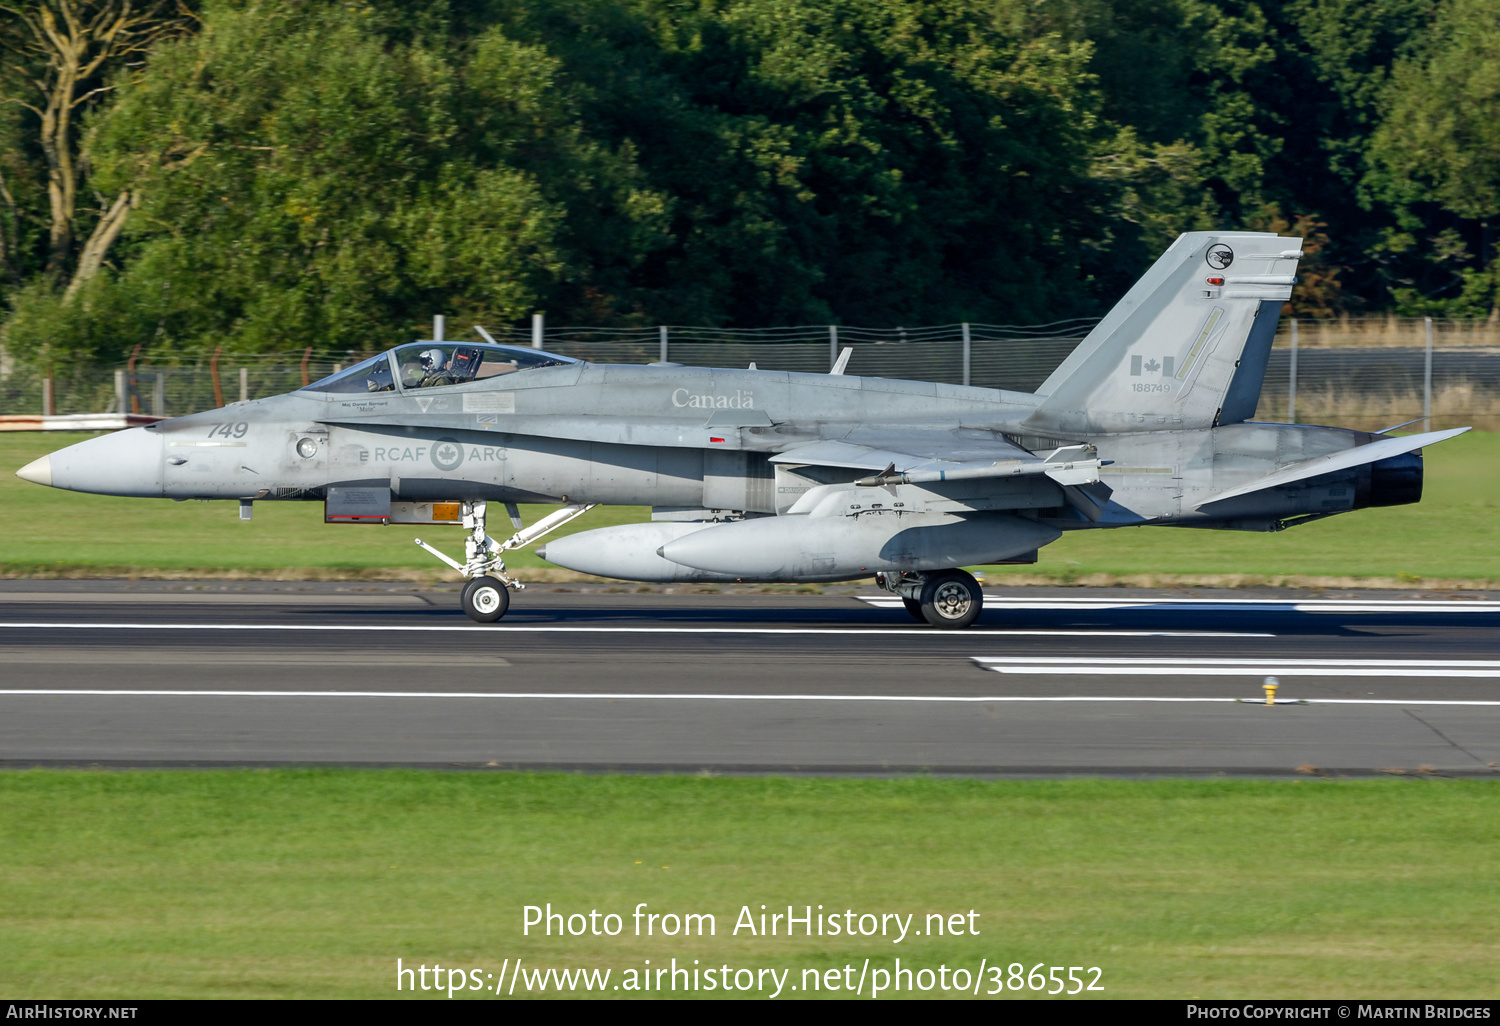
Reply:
x=486, y=599
x=487, y=595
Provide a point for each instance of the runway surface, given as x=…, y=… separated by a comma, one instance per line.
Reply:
x=1049, y=682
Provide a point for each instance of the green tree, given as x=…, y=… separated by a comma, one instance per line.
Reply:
x=304, y=181
x=1188, y=140
x=864, y=161
x=334, y=171
x=63, y=54
x=1439, y=143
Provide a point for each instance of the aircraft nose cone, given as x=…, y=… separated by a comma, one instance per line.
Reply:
x=37, y=471
x=124, y=463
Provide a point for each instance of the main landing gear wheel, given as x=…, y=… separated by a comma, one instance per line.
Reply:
x=914, y=607
x=951, y=599
x=486, y=599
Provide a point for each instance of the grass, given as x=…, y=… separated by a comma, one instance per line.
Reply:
x=1455, y=405
x=1381, y=332
x=1451, y=537
x=310, y=883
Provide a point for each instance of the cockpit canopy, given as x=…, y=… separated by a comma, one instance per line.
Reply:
x=429, y=364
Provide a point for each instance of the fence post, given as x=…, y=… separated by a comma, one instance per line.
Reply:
x=663, y=343
x=537, y=327
x=439, y=327
x=307, y=353
x=135, y=392
x=1427, y=380
x=966, y=352
x=244, y=384
x=833, y=346
x=49, y=408
x=1291, y=389
x=213, y=372
x=159, y=394
x=121, y=393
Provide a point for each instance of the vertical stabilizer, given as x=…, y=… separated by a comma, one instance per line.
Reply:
x=1186, y=347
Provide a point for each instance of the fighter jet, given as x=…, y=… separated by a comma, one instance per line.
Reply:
x=766, y=476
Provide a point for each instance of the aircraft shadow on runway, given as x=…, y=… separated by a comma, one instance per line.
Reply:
x=685, y=613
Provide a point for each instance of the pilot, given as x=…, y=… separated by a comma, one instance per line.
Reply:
x=434, y=370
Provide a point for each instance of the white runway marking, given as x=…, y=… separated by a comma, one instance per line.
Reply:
x=923, y=632
x=240, y=598
x=708, y=697
x=1277, y=667
x=223, y=659
x=1220, y=605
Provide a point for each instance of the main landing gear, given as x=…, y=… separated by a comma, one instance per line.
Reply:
x=949, y=599
x=487, y=595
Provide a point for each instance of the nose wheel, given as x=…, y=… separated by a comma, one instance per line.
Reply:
x=486, y=599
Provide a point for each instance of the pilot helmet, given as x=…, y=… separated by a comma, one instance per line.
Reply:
x=431, y=359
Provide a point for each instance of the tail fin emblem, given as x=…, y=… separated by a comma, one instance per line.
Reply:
x=1219, y=256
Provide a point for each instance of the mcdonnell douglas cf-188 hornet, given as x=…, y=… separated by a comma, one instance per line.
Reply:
x=772, y=476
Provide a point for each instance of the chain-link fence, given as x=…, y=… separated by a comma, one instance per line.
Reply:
x=992, y=355
x=1377, y=372
x=164, y=390
x=1368, y=373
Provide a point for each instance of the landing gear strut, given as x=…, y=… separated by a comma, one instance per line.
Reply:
x=950, y=599
x=487, y=595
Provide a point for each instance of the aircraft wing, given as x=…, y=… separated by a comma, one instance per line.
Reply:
x=938, y=458
x=1359, y=455
x=909, y=450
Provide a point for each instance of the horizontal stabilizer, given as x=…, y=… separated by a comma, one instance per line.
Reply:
x=1357, y=456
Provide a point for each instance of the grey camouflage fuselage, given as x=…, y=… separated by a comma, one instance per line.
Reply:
x=752, y=474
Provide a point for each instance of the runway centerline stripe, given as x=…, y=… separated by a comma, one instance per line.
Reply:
x=916, y=632
x=706, y=697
